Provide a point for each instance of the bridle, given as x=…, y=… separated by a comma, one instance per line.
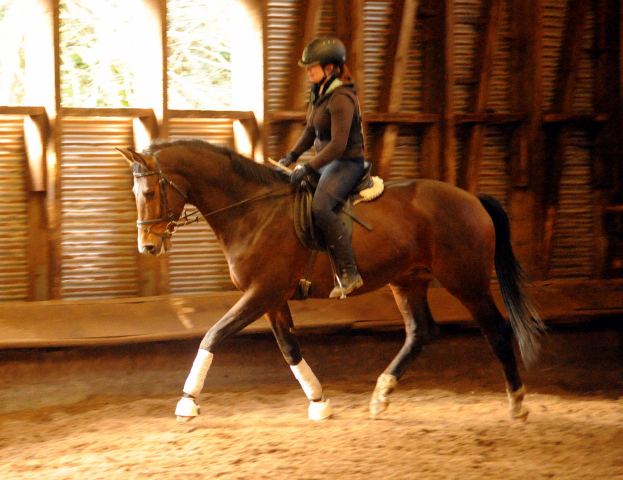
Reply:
x=172, y=225
x=189, y=218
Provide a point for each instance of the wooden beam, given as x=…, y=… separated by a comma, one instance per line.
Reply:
x=526, y=139
x=403, y=21
x=607, y=149
x=438, y=140
x=309, y=14
x=350, y=29
x=563, y=101
x=229, y=114
x=105, y=112
x=403, y=118
x=586, y=118
x=486, y=118
x=22, y=110
x=483, y=69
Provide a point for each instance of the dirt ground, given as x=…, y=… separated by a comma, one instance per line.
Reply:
x=107, y=412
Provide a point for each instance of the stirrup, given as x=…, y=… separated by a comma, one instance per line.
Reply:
x=340, y=291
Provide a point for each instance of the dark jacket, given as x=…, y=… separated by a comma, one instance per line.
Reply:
x=334, y=126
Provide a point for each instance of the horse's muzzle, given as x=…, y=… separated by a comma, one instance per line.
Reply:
x=154, y=246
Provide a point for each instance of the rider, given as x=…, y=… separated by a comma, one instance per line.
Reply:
x=334, y=128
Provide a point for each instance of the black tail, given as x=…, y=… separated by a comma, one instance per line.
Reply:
x=525, y=321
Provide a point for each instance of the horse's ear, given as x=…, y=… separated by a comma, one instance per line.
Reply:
x=132, y=157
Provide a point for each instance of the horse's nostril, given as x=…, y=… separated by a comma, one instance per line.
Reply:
x=148, y=248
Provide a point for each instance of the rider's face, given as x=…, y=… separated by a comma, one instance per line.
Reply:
x=315, y=73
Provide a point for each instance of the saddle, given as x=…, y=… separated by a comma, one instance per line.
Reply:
x=368, y=189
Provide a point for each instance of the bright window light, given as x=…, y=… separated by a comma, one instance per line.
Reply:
x=199, y=54
x=12, y=64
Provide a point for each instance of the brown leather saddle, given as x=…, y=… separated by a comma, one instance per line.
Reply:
x=306, y=230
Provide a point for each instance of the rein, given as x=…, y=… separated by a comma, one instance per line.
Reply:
x=192, y=217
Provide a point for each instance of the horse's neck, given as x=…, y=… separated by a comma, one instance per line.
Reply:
x=235, y=208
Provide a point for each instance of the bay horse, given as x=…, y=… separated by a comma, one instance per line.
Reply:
x=422, y=229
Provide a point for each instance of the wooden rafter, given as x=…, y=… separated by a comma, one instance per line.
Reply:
x=563, y=101
x=403, y=21
x=483, y=68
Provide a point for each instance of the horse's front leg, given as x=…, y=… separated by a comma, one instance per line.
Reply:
x=283, y=328
x=248, y=309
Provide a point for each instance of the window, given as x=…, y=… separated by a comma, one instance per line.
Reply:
x=199, y=54
x=96, y=53
x=12, y=63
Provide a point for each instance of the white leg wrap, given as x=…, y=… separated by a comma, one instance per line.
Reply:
x=197, y=375
x=310, y=384
x=187, y=407
x=320, y=410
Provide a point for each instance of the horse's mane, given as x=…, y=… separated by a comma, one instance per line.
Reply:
x=244, y=166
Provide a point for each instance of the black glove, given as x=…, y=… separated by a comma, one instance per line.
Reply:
x=288, y=159
x=299, y=173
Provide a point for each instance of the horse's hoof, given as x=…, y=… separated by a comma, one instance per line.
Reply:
x=385, y=385
x=518, y=411
x=186, y=410
x=183, y=420
x=376, y=408
x=520, y=416
x=320, y=410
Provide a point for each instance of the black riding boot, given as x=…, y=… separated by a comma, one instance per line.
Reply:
x=339, y=245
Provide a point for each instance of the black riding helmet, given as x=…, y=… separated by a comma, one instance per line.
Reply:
x=323, y=51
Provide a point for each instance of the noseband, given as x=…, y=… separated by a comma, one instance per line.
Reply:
x=164, y=203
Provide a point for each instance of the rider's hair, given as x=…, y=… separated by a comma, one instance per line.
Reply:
x=343, y=73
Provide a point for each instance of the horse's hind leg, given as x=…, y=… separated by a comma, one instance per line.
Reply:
x=283, y=328
x=419, y=326
x=498, y=333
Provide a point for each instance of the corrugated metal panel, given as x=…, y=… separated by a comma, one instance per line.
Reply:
x=412, y=84
x=466, y=14
x=499, y=86
x=554, y=18
x=376, y=30
x=494, y=175
x=283, y=26
x=584, y=95
x=554, y=15
x=328, y=19
x=98, y=211
x=13, y=210
x=406, y=162
x=196, y=262
x=572, y=255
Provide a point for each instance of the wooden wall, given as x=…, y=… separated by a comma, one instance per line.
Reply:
x=520, y=99
x=516, y=98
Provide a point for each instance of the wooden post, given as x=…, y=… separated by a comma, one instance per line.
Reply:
x=563, y=99
x=438, y=142
x=607, y=145
x=151, y=93
x=310, y=20
x=42, y=89
x=526, y=148
x=403, y=21
x=483, y=69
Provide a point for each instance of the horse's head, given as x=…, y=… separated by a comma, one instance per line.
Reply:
x=159, y=202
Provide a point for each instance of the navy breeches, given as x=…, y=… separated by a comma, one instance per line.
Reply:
x=337, y=179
